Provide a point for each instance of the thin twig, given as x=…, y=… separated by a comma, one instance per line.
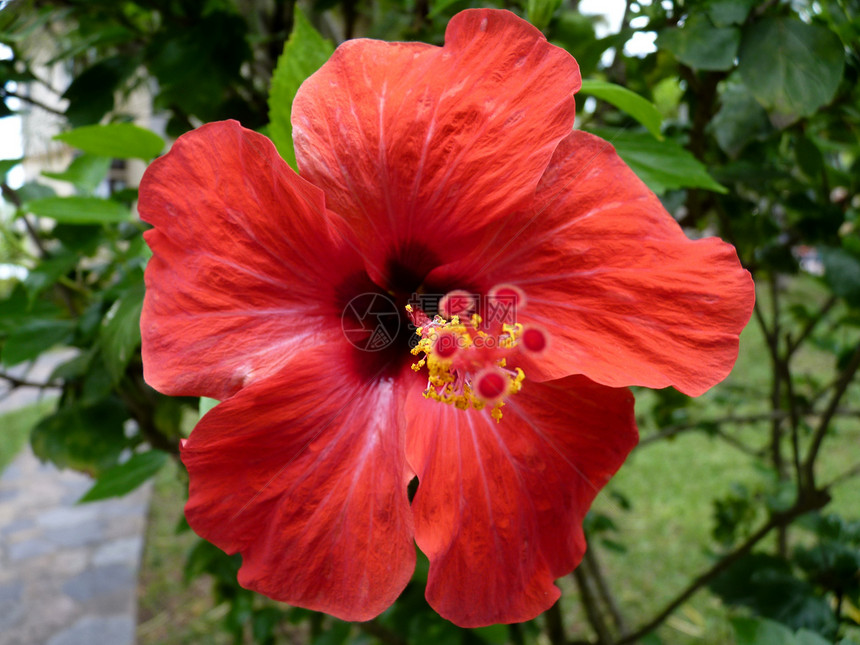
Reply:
x=5, y=93
x=841, y=478
x=842, y=383
x=596, y=571
x=19, y=382
x=555, y=624
x=794, y=343
x=812, y=500
x=591, y=606
x=705, y=425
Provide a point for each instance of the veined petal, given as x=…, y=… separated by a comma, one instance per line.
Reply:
x=420, y=146
x=304, y=474
x=499, y=506
x=626, y=297
x=244, y=267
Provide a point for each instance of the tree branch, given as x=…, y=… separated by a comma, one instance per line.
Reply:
x=593, y=564
x=6, y=93
x=843, y=477
x=555, y=624
x=680, y=428
x=591, y=606
x=19, y=382
x=840, y=387
x=794, y=343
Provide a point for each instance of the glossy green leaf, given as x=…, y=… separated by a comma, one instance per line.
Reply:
x=439, y=6
x=89, y=438
x=17, y=309
x=539, y=12
x=740, y=121
x=206, y=404
x=92, y=93
x=304, y=53
x=33, y=338
x=79, y=210
x=125, y=477
x=115, y=140
x=842, y=273
x=791, y=68
x=48, y=271
x=806, y=637
x=32, y=190
x=767, y=585
x=729, y=12
x=760, y=631
x=808, y=156
x=336, y=634
x=700, y=45
x=120, y=332
x=7, y=164
x=629, y=102
x=662, y=165
x=493, y=634
x=85, y=172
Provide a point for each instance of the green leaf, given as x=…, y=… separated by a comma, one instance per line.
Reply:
x=304, y=53
x=539, y=12
x=493, y=634
x=729, y=12
x=760, y=631
x=842, y=273
x=31, y=190
x=120, y=332
x=35, y=337
x=79, y=210
x=92, y=93
x=115, y=140
x=806, y=637
x=123, y=478
x=85, y=172
x=700, y=45
x=48, y=271
x=438, y=6
x=791, y=68
x=740, y=121
x=206, y=404
x=639, y=108
x=767, y=586
x=7, y=164
x=89, y=438
x=662, y=165
x=17, y=310
x=808, y=157
x=336, y=634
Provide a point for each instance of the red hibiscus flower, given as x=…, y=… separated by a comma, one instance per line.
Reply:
x=424, y=171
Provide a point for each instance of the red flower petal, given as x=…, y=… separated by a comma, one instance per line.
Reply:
x=244, y=266
x=421, y=145
x=626, y=297
x=310, y=488
x=499, y=507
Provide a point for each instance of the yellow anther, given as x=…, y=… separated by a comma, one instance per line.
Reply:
x=449, y=377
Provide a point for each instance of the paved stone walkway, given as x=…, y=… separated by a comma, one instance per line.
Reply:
x=68, y=572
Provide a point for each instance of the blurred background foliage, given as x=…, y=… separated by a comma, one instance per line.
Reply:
x=735, y=521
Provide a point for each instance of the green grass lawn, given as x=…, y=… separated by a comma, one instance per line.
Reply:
x=15, y=428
